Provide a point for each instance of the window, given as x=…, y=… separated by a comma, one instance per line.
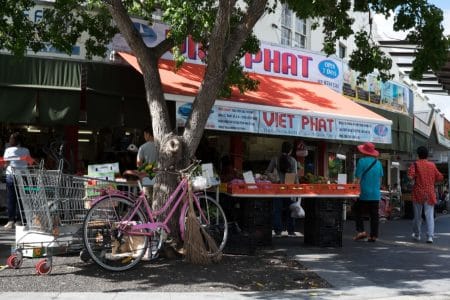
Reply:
x=285, y=36
x=300, y=40
x=286, y=25
x=286, y=16
x=288, y=32
x=300, y=33
x=342, y=51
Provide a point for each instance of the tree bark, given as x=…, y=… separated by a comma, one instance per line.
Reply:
x=175, y=151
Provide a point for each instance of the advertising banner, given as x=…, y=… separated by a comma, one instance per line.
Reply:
x=388, y=95
x=225, y=117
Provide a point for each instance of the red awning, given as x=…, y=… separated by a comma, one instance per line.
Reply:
x=272, y=91
x=280, y=106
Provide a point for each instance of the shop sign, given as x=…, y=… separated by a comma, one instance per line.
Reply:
x=388, y=95
x=295, y=63
x=223, y=118
x=35, y=15
x=271, y=60
x=227, y=118
x=323, y=127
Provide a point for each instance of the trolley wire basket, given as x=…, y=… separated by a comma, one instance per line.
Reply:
x=53, y=206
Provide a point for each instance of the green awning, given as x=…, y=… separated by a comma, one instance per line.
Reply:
x=17, y=105
x=35, y=72
x=58, y=107
x=36, y=90
x=34, y=106
x=402, y=130
x=116, y=80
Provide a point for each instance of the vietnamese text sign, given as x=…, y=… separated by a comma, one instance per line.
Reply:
x=227, y=118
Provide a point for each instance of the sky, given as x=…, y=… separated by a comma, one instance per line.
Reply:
x=385, y=31
x=445, y=6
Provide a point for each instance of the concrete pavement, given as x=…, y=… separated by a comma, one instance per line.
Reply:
x=395, y=267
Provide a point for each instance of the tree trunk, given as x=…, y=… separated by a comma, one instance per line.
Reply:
x=172, y=155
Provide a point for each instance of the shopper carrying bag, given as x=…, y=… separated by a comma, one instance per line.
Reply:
x=368, y=175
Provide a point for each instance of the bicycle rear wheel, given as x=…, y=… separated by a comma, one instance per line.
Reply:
x=107, y=244
x=213, y=220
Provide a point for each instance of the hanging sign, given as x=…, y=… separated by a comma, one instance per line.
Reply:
x=225, y=117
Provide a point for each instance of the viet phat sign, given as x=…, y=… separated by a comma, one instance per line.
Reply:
x=224, y=116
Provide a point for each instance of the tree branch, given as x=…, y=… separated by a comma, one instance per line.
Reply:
x=241, y=32
x=148, y=62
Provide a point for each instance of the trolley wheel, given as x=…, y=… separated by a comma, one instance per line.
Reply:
x=14, y=262
x=84, y=255
x=43, y=267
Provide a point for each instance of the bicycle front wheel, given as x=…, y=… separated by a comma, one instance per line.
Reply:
x=106, y=239
x=213, y=220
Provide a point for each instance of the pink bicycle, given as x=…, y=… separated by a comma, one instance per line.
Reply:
x=118, y=229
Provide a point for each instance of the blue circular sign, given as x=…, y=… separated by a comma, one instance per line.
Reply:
x=329, y=68
x=381, y=130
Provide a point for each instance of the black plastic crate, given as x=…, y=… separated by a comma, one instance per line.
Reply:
x=326, y=204
x=238, y=241
x=257, y=204
x=326, y=220
x=262, y=234
x=258, y=219
x=323, y=223
x=325, y=237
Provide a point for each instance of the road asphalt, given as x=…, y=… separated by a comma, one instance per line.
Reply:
x=394, y=267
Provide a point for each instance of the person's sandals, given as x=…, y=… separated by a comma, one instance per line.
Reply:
x=360, y=236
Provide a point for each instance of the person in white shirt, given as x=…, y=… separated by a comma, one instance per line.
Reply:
x=147, y=152
x=13, y=151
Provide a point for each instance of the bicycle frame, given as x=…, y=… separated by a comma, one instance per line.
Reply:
x=178, y=195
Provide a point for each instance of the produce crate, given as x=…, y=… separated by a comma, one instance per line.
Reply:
x=239, y=242
x=256, y=219
x=323, y=222
x=286, y=189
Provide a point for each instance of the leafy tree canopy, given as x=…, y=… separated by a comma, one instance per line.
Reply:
x=64, y=24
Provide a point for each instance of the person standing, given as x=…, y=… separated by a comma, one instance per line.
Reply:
x=147, y=152
x=284, y=163
x=368, y=175
x=425, y=175
x=14, y=150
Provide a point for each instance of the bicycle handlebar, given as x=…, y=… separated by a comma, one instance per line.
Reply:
x=188, y=169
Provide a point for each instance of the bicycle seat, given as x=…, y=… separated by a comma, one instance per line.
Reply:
x=134, y=175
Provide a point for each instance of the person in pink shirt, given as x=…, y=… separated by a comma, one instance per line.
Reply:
x=425, y=175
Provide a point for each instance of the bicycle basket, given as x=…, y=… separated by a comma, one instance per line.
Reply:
x=199, y=183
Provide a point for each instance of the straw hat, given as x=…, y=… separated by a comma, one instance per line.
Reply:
x=368, y=149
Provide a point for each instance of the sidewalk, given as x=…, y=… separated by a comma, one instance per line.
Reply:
x=395, y=267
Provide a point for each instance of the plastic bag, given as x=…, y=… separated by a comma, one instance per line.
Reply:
x=296, y=208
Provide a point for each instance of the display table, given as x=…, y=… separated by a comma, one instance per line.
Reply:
x=323, y=205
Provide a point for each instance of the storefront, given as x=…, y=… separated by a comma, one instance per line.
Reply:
x=95, y=109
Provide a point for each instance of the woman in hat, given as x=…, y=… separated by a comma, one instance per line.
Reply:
x=368, y=175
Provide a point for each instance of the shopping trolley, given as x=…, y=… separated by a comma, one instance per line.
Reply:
x=53, y=206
